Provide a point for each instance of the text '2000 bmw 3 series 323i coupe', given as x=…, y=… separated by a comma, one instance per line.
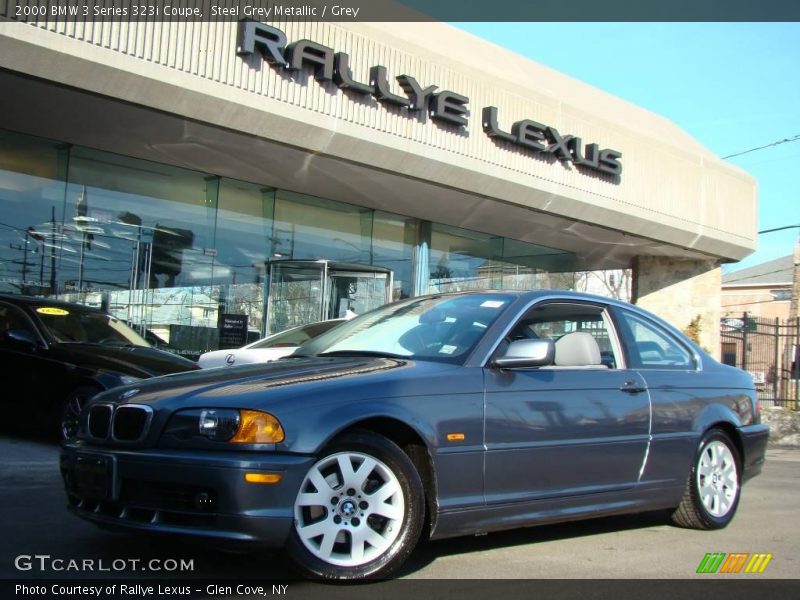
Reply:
x=433, y=417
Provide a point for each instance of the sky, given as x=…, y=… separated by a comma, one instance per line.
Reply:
x=732, y=86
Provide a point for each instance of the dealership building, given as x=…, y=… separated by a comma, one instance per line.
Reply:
x=181, y=173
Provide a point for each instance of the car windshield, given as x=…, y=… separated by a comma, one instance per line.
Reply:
x=439, y=328
x=71, y=324
x=295, y=336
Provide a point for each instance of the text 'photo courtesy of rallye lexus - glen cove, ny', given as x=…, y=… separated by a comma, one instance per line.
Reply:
x=432, y=417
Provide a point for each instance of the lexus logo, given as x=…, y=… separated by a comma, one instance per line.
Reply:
x=230, y=359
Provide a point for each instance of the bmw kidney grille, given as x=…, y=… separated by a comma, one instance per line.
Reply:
x=125, y=423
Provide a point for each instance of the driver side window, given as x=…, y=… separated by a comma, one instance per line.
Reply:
x=582, y=334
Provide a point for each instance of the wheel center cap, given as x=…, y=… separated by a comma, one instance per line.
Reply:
x=347, y=508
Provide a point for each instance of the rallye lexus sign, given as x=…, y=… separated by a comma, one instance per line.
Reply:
x=443, y=106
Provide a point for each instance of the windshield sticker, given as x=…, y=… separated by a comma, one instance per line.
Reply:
x=447, y=349
x=49, y=310
x=492, y=304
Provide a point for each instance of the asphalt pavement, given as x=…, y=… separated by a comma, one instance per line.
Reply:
x=35, y=522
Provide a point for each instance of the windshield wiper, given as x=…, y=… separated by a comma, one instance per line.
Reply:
x=361, y=353
x=118, y=344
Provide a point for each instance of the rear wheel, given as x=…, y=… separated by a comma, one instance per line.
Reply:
x=713, y=489
x=359, y=511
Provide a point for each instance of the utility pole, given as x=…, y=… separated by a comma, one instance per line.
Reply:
x=793, y=324
x=793, y=314
x=795, y=282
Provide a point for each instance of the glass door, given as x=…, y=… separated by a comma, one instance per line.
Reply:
x=354, y=293
x=302, y=292
x=295, y=292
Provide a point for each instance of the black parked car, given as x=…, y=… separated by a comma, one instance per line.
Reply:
x=436, y=416
x=58, y=355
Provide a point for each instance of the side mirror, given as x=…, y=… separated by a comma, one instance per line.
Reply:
x=22, y=337
x=527, y=353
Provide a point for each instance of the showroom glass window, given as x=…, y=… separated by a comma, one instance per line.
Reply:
x=461, y=259
x=393, y=241
x=244, y=245
x=32, y=196
x=144, y=233
x=307, y=227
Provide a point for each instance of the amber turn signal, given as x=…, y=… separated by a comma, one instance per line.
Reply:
x=256, y=427
x=262, y=477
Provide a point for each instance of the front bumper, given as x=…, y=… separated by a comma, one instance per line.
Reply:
x=754, y=445
x=193, y=493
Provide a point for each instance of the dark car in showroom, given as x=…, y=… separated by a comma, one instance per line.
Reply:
x=60, y=354
x=437, y=416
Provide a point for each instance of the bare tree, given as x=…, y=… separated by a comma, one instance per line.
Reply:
x=614, y=283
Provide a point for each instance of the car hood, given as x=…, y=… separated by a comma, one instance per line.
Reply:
x=246, y=385
x=138, y=361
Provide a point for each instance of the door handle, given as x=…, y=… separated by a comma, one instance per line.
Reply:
x=633, y=387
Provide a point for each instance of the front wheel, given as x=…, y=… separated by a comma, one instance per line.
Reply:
x=359, y=512
x=713, y=489
x=69, y=412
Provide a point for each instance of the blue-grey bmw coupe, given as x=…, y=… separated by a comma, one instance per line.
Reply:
x=436, y=416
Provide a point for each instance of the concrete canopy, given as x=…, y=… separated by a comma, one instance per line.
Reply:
x=181, y=95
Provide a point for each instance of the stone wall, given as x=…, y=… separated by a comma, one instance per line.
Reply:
x=678, y=290
x=784, y=426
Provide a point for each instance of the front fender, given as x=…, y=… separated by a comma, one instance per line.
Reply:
x=315, y=431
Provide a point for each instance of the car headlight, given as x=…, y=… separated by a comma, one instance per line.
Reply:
x=226, y=425
x=218, y=424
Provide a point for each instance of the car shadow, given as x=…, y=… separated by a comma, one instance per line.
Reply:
x=212, y=561
x=428, y=552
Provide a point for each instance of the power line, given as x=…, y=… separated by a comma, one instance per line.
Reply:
x=778, y=143
x=779, y=228
x=732, y=279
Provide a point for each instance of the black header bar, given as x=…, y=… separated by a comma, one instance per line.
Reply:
x=403, y=10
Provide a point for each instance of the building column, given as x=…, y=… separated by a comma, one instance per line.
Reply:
x=678, y=290
x=421, y=266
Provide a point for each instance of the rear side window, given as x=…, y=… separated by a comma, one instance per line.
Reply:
x=651, y=347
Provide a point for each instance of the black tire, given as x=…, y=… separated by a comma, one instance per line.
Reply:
x=712, y=495
x=342, y=551
x=67, y=414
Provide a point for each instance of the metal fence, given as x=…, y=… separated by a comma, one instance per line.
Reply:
x=770, y=350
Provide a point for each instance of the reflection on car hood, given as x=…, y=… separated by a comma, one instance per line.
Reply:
x=224, y=386
x=139, y=361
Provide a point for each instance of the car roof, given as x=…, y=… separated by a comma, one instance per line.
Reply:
x=532, y=295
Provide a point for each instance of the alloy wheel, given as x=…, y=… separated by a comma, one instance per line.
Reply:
x=717, y=480
x=350, y=509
